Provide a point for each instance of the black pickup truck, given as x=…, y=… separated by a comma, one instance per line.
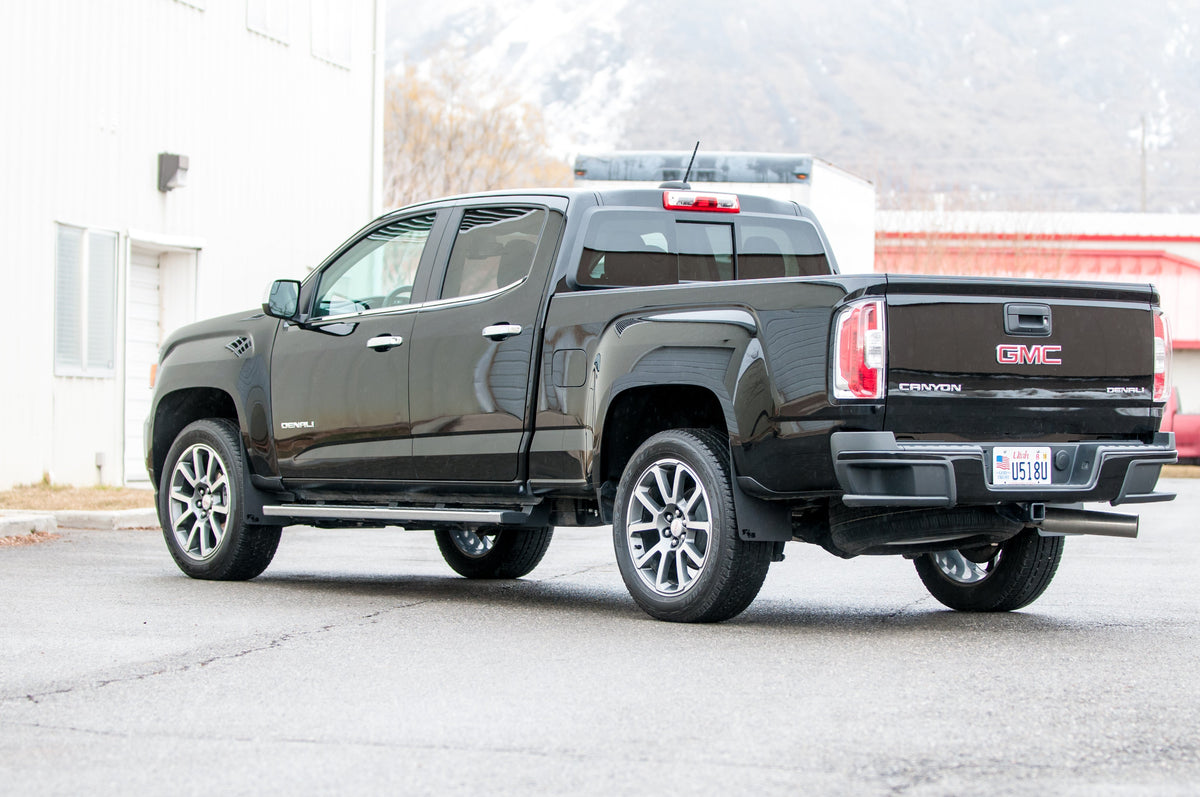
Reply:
x=688, y=367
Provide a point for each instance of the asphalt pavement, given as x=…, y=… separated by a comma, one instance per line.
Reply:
x=359, y=663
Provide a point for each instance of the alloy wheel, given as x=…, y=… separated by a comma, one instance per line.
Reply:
x=961, y=570
x=668, y=527
x=199, y=502
x=472, y=544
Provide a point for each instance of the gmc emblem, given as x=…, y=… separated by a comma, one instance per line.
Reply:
x=1037, y=354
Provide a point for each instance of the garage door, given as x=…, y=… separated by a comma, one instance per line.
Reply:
x=143, y=335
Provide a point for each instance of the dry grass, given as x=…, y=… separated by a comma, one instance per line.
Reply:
x=50, y=498
x=1181, y=471
x=31, y=538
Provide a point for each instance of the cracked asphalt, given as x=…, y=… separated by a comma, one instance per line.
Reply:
x=359, y=663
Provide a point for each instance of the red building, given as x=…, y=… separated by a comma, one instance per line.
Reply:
x=1163, y=249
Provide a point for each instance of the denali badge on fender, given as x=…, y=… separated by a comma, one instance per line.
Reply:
x=1037, y=354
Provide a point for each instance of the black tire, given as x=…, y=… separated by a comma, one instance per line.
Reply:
x=200, y=506
x=494, y=552
x=674, y=567
x=1014, y=577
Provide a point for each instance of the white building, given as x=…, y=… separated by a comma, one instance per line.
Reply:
x=275, y=107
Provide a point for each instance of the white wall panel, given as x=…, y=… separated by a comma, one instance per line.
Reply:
x=280, y=151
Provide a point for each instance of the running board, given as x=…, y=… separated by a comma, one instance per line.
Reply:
x=499, y=517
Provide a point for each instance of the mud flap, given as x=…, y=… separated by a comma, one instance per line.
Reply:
x=759, y=520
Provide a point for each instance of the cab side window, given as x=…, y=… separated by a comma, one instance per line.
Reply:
x=493, y=249
x=378, y=271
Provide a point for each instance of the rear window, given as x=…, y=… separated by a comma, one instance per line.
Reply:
x=632, y=248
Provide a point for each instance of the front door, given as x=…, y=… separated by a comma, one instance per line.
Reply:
x=339, y=384
x=473, y=345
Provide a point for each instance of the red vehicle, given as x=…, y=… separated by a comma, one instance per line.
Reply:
x=1186, y=428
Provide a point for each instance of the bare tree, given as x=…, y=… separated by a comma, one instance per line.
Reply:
x=443, y=136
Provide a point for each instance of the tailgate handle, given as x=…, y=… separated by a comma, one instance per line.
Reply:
x=1032, y=320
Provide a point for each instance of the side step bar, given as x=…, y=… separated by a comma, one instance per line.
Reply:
x=489, y=517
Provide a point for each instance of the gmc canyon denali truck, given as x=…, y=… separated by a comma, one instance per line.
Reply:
x=687, y=366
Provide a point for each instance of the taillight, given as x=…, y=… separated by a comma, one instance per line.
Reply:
x=860, y=352
x=694, y=200
x=1162, y=357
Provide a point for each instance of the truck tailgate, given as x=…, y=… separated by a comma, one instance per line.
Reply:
x=1020, y=360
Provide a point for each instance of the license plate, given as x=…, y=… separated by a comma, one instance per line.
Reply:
x=1020, y=465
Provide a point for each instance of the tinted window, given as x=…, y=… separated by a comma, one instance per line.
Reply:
x=494, y=248
x=705, y=251
x=624, y=248
x=779, y=248
x=632, y=248
x=378, y=271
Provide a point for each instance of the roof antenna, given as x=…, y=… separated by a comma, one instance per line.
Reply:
x=683, y=184
x=688, y=173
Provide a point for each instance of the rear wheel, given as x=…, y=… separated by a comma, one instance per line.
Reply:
x=994, y=578
x=494, y=552
x=675, y=531
x=200, y=506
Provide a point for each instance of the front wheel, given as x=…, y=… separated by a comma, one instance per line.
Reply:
x=494, y=552
x=200, y=506
x=675, y=531
x=1001, y=579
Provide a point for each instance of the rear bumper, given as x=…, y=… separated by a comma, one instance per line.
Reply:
x=874, y=469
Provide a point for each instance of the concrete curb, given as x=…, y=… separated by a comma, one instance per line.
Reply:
x=114, y=520
x=16, y=522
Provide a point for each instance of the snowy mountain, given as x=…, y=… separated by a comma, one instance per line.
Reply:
x=1026, y=103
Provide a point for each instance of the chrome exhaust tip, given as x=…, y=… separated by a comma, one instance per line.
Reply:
x=1060, y=521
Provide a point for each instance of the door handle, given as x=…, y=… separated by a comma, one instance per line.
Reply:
x=501, y=331
x=384, y=342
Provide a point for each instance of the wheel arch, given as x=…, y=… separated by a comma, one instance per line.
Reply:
x=176, y=410
x=637, y=413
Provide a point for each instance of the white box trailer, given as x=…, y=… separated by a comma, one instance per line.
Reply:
x=844, y=203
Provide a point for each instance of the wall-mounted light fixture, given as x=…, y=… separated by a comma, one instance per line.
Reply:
x=172, y=171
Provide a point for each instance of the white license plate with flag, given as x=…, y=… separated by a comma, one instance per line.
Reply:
x=1020, y=465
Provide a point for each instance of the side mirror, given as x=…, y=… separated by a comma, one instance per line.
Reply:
x=283, y=299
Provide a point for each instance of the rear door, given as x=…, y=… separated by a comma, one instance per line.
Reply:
x=472, y=353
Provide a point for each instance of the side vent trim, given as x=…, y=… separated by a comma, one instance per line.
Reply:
x=240, y=346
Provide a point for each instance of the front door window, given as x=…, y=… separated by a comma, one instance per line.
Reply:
x=377, y=272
